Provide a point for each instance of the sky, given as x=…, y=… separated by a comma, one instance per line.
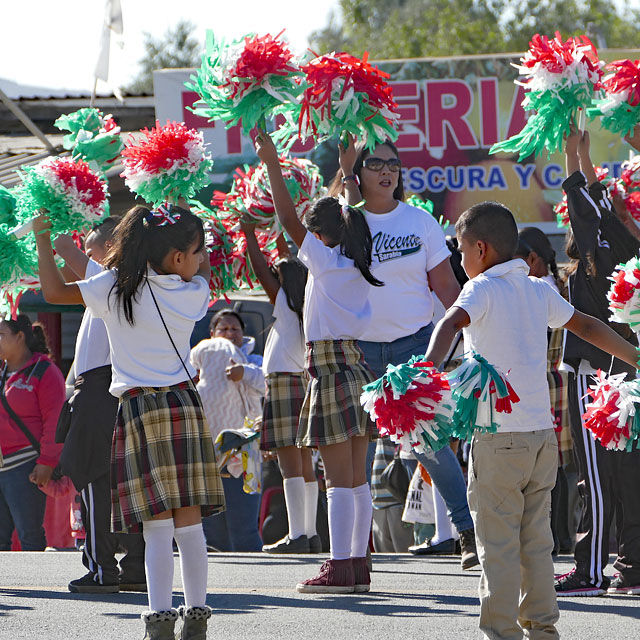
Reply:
x=54, y=43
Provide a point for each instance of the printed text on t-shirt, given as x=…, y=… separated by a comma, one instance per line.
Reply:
x=387, y=246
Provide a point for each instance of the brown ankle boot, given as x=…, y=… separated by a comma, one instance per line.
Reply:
x=468, y=549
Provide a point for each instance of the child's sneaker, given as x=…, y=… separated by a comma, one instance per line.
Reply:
x=336, y=576
x=361, y=576
x=622, y=586
x=575, y=584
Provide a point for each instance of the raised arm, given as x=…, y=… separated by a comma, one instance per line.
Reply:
x=269, y=282
x=54, y=288
x=74, y=259
x=205, y=265
x=285, y=209
x=602, y=336
x=584, y=156
x=347, y=159
x=571, y=151
x=454, y=320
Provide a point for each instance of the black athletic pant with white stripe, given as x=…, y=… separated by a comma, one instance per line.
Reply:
x=606, y=480
x=100, y=544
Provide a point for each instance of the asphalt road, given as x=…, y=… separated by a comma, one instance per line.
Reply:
x=253, y=597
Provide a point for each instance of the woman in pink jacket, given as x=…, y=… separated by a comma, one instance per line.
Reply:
x=31, y=394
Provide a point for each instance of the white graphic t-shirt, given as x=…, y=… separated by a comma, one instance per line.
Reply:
x=407, y=243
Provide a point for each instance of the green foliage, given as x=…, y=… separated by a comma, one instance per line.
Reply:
x=390, y=29
x=176, y=49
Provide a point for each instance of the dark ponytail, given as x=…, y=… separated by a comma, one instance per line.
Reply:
x=292, y=275
x=145, y=237
x=34, y=336
x=345, y=226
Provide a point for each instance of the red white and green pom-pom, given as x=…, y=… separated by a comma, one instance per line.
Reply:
x=226, y=244
x=620, y=108
x=166, y=163
x=624, y=294
x=561, y=80
x=411, y=405
x=94, y=137
x=73, y=195
x=613, y=415
x=343, y=93
x=250, y=197
x=245, y=81
x=614, y=187
x=428, y=206
x=480, y=392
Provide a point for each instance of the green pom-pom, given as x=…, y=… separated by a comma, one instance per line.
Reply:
x=7, y=207
x=549, y=125
x=17, y=257
x=621, y=120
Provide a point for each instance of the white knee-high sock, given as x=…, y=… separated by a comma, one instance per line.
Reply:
x=310, y=508
x=294, y=497
x=340, y=508
x=444, y=529
x=193, y=564
x=158, y=562
x=363, y=512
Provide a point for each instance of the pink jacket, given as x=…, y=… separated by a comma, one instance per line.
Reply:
x=36, y=394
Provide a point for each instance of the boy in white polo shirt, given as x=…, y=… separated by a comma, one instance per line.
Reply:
x=504, y=315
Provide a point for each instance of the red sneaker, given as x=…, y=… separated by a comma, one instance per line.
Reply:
x=336, y=576
x=361, y=576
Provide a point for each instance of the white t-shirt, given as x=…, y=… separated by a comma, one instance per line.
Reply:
x=92, y=343
x=336, y=305
x=510, y=313
x=407, y=243
x=284, y=350
x=142, y=355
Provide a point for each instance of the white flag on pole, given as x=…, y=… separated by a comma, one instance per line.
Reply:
x=112, y=22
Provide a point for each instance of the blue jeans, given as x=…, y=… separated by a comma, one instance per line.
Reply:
x=22, y=507
x=235, y=529
x=442, y=466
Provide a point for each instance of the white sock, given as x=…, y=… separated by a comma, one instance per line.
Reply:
x=340, y=507
x=158, y=562
x=193, y=564
x=363, y=512
x=310, y=508
x=294, y=497
x=444, y=528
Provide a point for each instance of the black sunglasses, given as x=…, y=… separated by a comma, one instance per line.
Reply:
x=376, y=164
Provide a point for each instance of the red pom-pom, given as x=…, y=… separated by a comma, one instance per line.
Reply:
x=625, y=77
x=77, y=174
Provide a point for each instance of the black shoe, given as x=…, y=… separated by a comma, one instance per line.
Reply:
x=89, y=584
x=444, y=548
x=575, y=584
x=620, y=584
x=132, y=583
x=315, y=544
x=288, y=545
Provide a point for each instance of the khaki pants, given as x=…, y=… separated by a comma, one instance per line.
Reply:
x=510, y=480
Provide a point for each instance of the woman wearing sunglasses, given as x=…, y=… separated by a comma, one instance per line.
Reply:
x=411, y=257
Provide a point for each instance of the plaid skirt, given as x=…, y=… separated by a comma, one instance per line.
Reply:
x=282, y=404
x=162, y=457
x=332, y=412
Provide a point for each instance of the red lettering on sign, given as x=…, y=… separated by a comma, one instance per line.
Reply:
x=411, y=109
x=451, y=116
